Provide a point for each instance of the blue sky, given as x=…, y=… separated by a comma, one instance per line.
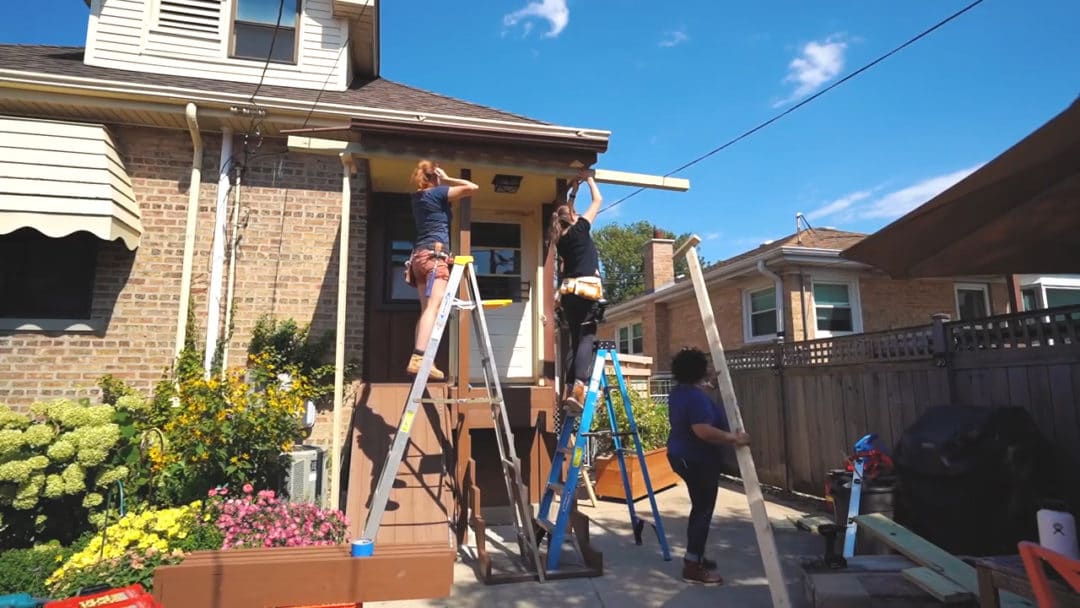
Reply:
x=673, y=80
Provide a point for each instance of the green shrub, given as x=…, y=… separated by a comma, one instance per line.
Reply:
x=652, y=421
x=25, y=570
x=57, y=465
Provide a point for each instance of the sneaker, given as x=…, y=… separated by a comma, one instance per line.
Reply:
x=697, y=573
x=414, y=367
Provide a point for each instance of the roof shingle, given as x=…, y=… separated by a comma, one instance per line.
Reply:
x=378, y=93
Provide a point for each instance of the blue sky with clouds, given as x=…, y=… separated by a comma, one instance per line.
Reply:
x=673, y=80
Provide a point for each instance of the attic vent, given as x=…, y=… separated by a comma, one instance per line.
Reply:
x=190, y=17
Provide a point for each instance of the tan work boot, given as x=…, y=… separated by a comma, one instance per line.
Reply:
x=575, y=403
x=414, y=366
x=698, y=573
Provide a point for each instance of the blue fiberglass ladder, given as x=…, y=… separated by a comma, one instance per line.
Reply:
x=574, y=444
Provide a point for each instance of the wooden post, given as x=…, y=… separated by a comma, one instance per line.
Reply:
x=464, y=211
x=348, y=168
x=762, y=528
x=1016, y=298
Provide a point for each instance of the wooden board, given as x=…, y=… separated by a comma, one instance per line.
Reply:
x=762, y=528
x=943, y=589
x=922, y=551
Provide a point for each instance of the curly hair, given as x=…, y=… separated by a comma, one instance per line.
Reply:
x=689, y=366
x=423, y=176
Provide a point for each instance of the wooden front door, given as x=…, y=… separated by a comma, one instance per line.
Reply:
x=393, y=307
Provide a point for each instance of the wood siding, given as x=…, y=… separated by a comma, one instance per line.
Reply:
x=126, y=34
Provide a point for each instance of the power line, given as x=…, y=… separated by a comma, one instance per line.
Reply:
x=805, y=101
x=269, y=51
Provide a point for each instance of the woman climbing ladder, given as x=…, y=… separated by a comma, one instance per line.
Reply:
x=578, y=271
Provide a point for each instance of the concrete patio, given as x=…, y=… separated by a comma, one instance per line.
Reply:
x=638, y=576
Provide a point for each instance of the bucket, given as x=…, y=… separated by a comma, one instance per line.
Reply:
x=877, y=497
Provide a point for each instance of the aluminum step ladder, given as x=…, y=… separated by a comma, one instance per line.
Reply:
x=573, y=443
x=529, y=553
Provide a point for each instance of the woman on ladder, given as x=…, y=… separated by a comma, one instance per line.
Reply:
x=428, y=268
x=578, y=271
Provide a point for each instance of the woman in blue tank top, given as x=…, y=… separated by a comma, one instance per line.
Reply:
x=428, y=268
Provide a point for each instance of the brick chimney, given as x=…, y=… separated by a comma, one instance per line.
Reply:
x=659, y=263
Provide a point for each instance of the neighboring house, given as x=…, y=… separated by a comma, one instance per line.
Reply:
x=117, y=211
x=797, y=287
x=1048, y=291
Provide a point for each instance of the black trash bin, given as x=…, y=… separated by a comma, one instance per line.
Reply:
x=877, y=497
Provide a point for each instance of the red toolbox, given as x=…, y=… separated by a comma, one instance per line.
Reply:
x=132, y=596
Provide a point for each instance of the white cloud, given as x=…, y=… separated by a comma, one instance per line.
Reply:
x=674, y=37
x=555, y=12
x=839, y=204
x=712, y=236
x=817, y=63
x=864, y=205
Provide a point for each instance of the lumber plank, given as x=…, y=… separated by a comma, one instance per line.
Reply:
x=922, y=551
x=758, y=514
x=943, y=589
x=812, y=523
x=624, y=178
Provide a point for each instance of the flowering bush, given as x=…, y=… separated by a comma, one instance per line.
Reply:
x=56, y=467
x=224, y=432
x=127, y=551
x=652, y=421
x=262, y=520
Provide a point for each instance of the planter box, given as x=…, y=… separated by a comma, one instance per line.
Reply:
x=609, y=479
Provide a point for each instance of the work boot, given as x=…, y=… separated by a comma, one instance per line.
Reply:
x=697, y=573
x=414, y=367
x=575, y=403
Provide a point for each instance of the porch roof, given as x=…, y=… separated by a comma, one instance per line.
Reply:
x=61, y=177
x=1017, y=214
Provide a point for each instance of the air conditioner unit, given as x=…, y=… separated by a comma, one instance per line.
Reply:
x=303, y=482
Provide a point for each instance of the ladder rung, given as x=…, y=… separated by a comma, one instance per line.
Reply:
x=545, y=524
x=507, y=462
x=564, y=450
x=557, y=487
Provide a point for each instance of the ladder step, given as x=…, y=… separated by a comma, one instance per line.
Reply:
x=545, y=524
x=557, y=487
x=564, y=450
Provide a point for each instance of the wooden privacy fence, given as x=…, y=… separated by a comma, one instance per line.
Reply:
x=806, y=403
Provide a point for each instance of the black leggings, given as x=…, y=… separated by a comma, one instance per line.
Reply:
x=578, y=359
x=702, y=481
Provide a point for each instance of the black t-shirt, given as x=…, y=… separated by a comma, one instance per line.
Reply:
x=578, y=252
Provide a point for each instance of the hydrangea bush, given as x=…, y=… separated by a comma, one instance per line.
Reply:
x=57, y=464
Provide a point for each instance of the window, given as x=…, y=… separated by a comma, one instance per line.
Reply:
x=47, y=278
x=631, y=339
x=1057, y=296
x=253, y=30
x=496, y=251
x=760, y=314
x=399, y=243
x=1030, y=298
x=972, y=301
x=833, y=309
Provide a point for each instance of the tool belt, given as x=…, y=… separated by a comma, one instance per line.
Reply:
x=436, y=251
x=588, y=288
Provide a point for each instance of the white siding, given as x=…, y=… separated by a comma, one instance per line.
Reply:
x=511, y=339
x=127, y=34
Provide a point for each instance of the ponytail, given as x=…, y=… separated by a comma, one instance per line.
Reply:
x=560, y=220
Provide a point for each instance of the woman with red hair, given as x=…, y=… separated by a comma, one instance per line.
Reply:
x=428, y=267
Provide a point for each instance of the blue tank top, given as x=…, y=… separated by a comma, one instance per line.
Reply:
x=432, y=216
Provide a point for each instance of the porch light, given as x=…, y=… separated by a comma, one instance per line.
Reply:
x=506, y=183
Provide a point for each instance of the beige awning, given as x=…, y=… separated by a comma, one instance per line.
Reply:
x=62, y=177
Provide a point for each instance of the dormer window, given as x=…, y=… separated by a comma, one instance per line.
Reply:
x=253, y=30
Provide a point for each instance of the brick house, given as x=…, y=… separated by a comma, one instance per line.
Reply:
x=797, y=287
x=120, y=214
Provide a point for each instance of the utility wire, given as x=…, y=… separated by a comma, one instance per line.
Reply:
x=805, y=101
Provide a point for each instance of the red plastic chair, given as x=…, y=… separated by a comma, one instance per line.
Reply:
x=1034, y=555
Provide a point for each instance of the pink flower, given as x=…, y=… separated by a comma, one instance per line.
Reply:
x=248, y=488
x=224, y=491
x=212, y=492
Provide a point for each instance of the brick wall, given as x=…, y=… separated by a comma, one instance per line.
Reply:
x=287, y=266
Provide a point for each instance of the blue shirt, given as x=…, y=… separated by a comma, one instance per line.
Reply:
x=689, y=405
x=432, y=216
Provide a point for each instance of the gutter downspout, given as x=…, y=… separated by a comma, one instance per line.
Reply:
x=779, y=283
x=217, y=252
x=192, y=220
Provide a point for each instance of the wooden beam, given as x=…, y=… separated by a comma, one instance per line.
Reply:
x=641, y=180
x=348, y=168
x=944, y=590
x=762, y=528
x=317, y=145
x=922, y=551
x=464, y=247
